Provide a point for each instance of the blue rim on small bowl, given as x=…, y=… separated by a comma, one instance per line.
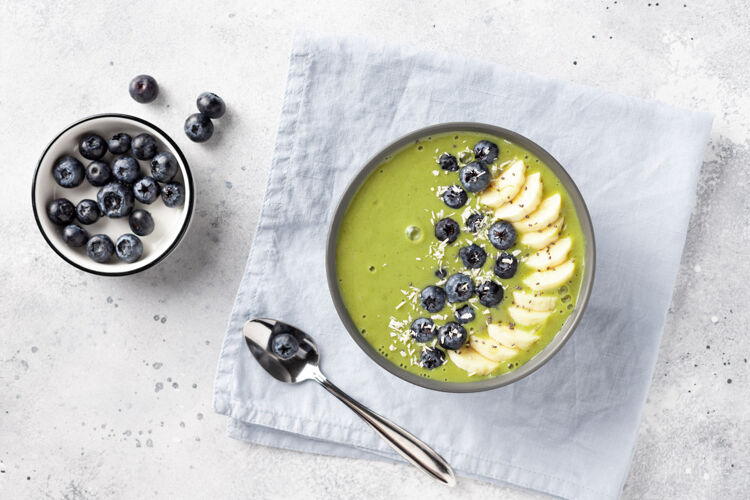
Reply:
x=568, y=327
x=118, y=269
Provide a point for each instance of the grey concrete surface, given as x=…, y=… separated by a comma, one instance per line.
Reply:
x=105, y=384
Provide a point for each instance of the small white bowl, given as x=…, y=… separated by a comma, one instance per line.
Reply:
x=171, y=224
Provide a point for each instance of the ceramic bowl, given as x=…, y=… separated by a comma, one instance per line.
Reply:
x=568, y=327
x=171, y=224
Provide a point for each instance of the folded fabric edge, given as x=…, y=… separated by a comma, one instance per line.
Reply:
x=290, y=108
x=263, y=427
x=706, y=122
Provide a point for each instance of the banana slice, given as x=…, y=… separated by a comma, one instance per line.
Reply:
x=471, y=361
x=527, y=317
x=534, y=302
x=549, y=279
x=511, y=337
x=505, y=186
x=491, y=349
x=547, y=213
x=551, y=255
x=542, y=238
x=525, y=201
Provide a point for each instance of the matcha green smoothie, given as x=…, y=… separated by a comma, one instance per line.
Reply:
x=509, y=231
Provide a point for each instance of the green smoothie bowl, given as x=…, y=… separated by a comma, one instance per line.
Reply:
x=461, y=257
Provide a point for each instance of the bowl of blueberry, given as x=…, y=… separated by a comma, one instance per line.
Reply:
x=112, y=194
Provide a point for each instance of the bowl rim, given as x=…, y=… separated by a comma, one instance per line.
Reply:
x=568, y=327
x=188, y=180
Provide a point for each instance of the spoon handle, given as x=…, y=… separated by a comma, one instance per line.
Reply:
x=407, y=445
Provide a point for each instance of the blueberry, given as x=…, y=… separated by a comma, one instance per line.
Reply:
x=164, y=166
x=68, y=171
x=432, y=358
x=423, y=329
x=447, y=230
x=173, y=194
x=459, y=288
x=87, y=212
x=98, y=173
x=211, y=105
x=506, y=266
x=119, y=143
x=486, y=151
x=141, y=222
x=465, y=314
x=455, y=197
x=146, y=190
x=74, y=235
x=474, y=222
x=92, y=146
x=451, y=336
x=129, y=248
x=432, y=298
x=284, y=345
x=144, y=146
x=473, y=256
x=126, y=169
x=441, y=273
x=100, y=248
x=143, y=88
x=448, y=162
x=61, y=211
x=475, y=177
x=115, y=200
x=490, y=293
x=502, y=235
x=199, y=127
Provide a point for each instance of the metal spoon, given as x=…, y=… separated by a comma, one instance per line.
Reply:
x=294, y=358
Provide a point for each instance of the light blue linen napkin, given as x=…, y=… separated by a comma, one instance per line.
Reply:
x=570, y=428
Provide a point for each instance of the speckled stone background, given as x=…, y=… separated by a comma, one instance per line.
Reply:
x=105, y=384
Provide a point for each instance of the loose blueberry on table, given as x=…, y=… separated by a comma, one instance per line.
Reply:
x=198, y=127
x=143, y=88
x=211, y=105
